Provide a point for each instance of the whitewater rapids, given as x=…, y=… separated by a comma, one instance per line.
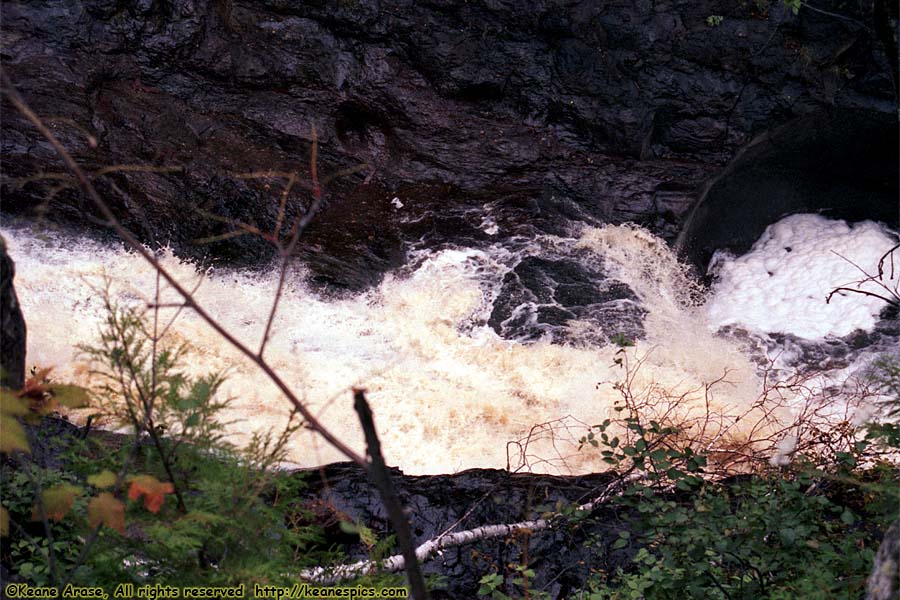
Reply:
x=447, y=391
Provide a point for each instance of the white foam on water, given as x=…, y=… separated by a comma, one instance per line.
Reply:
x=444, y=399
x=682, y=355
x=446, y=391
x=781, y=285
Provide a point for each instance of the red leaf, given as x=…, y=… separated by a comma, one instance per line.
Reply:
x=153, y=491
x=36, y=386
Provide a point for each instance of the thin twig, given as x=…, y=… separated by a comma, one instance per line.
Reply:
x=300, y=224
x=837, y=16
x=16, y=99
x=282, y=205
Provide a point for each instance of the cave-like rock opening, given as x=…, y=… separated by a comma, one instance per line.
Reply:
x=839, y=163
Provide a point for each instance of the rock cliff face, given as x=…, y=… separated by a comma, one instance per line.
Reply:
x=598, y=111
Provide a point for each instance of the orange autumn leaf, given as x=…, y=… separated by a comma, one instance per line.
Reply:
x=57, y=500
x=44, y=397
x=106, y=510
x=153, y=491
x=36, y=386
x=36, y=392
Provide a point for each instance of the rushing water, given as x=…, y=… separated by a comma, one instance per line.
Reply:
x=448, y=390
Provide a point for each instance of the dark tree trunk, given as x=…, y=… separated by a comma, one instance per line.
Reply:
x=12, y=326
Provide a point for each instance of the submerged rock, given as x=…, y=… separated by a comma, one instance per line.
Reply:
x=542, y=298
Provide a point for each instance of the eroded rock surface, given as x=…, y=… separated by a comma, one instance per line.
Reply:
x=607, y=111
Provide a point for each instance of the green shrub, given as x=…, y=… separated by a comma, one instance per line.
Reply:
x=759, y=537
x=174, y=502
x=805, y=531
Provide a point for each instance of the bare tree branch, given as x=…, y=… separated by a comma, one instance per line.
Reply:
x=88, y=188
x=878, y=279
x=379, y=475
x=300, y=224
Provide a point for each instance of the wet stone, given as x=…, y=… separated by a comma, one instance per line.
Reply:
x=564, y=112
x=541, y=298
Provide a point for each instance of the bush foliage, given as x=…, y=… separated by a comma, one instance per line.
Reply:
x=175, y=503
x=171, y=503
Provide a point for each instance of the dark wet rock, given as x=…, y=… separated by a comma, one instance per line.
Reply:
x=477, y=497
x=12, y=326
x=50, y=441
x=838, y=162
x=837, y=353
x=603, y=112
x=540, y=298
x=806, y=356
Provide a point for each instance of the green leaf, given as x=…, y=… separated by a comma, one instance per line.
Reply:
x=674, y=473
x=367, y=536
x=72, y=396
x=200, y=393
x=621, y=340
x=12, y=436
x=12, y=405
x=349, y=528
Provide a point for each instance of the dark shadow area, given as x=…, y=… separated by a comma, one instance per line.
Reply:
x=839, y=163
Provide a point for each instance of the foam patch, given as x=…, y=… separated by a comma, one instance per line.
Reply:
x=781, y=285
